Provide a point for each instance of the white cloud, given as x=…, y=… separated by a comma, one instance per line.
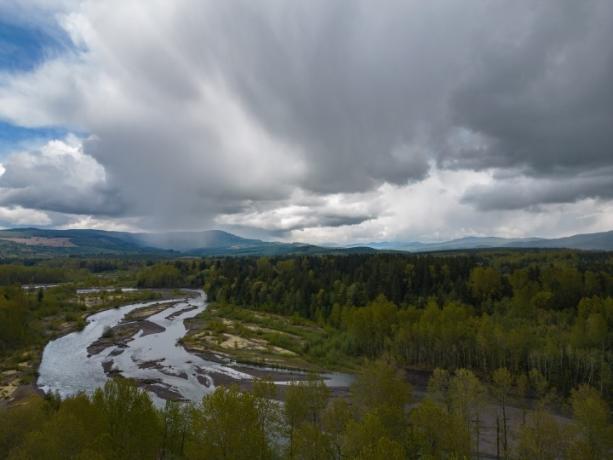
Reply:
x=100, y=223
x=303, y=210
x=58, y=177
x=16, y=215
x=316, y=120
x=433, y=210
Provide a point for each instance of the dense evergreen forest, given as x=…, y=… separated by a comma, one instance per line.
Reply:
x=527, y=331
x=550, y=311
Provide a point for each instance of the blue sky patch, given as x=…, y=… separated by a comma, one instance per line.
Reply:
x=14, y=137
x=24, y=47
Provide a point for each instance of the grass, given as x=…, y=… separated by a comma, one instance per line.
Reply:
x=264, y=338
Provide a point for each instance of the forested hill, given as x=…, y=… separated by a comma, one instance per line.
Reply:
x=33, y=242
x=602, y=241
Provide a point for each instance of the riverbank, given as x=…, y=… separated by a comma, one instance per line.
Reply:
x=18, y=369
x=130, y=354
x=224, y=332
x=186, y=373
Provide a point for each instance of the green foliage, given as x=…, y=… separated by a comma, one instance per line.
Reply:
x=368, y=438
x=521, y=310
x=533, y=322
x=14, y=316
x=160, y=276
x=20, y=274
x=228, y=425
x=369, y=327
x=311, y=443
x=502, y=386
x=304, y=404
x=541, y=437
x=335, y=419
x=382, y=391
x=595, y=433
x=485, y=283
x=118, y=422
x=21, y=420
x=176, y=426
x=430, y=440
x=130, y=419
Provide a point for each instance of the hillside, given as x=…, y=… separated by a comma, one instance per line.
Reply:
x=590, y=241
x=33, y=242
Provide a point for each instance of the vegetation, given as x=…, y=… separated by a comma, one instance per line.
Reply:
x=379, y=420
x=511, y=341
x=265, y=338
x=551, y=311
x=30, y=318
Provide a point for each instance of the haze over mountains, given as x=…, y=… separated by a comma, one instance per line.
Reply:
x=587, y=241
x=24, y=242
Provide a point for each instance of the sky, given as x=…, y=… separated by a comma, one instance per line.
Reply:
x=344, y=121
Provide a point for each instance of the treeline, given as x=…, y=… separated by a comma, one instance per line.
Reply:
x=551, y=311
x=379, y=420
x=567, y=350
x=22, y=314
x=87, y=270
x=21, y=274
x=313, y=285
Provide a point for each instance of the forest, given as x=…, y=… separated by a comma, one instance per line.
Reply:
x=550, y=311
x=527, y=332
x=120, y=422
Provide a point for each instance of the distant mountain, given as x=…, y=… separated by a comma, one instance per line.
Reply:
x=589, y=241
x=189, y=241
x=34, y=242
x=217, y=243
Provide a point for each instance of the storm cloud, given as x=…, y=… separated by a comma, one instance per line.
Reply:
x=298, y=117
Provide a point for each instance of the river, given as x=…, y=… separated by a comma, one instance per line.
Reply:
x=157, y=361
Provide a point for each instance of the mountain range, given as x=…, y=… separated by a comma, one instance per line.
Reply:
x=34, y=242
x=602, y=241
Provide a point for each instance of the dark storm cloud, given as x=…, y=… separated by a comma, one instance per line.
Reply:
x=369, y=93
x=525, y=192
x=542, y=97
x=202, y=109
x=357, y=86
x=326, y=220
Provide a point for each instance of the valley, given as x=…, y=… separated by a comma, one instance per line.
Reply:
x=397, y=340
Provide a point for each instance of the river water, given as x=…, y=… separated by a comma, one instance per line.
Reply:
x=157, y=359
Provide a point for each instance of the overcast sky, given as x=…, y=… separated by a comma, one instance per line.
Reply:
x=308, y=120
